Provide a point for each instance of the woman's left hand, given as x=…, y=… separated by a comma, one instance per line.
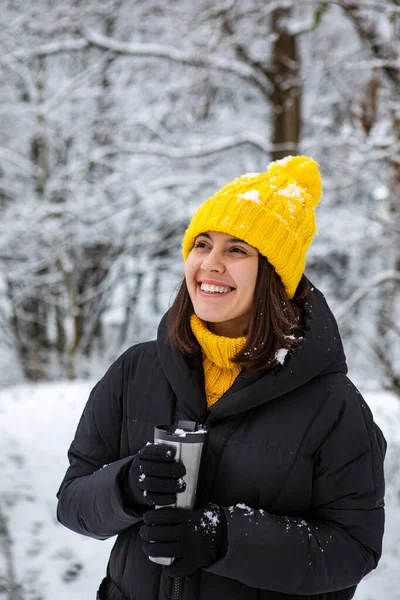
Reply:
x=195, y=538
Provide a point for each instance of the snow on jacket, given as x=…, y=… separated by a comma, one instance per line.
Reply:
x=293, y=456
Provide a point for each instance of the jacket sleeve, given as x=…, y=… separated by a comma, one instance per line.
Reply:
x=340, y=540
x=90, y=501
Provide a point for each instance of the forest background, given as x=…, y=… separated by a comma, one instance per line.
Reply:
x=118, y=117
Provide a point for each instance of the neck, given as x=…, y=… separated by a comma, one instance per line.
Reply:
x=230, y=329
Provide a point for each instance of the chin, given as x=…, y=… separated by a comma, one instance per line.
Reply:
x=210, y=317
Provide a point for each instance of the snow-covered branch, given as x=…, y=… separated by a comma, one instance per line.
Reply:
x=19, y=161
x=370, y=34
x=70, y=45
x=364, y=290
x=74, y=83
x=379, y=6
x=389, y=225
x=195, y=59
x=392, y=375
x=222, y=145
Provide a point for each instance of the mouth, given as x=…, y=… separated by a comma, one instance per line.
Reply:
x=216, y=291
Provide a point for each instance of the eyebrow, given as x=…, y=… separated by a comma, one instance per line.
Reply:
x=232, y=240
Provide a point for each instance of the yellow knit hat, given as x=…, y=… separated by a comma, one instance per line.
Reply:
x=272, y=211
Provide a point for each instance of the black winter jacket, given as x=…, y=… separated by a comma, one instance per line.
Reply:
x=293, y=456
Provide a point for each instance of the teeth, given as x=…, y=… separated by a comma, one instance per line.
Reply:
x=206, y=287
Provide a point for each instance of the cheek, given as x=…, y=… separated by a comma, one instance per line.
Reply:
x=253, y=277
x=247, y=280
x=190, y=270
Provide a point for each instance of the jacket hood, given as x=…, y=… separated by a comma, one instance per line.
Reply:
x=321, y=353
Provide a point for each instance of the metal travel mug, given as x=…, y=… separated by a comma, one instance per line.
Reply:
x=188, y=438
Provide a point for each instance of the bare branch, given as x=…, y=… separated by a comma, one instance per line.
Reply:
x=364, y=290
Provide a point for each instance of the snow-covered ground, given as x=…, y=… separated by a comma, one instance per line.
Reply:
x=37, y=423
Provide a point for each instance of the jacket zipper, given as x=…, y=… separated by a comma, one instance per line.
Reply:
x=177, y=591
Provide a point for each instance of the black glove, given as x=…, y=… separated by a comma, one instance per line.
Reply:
x=196, y=538
x=154, y=478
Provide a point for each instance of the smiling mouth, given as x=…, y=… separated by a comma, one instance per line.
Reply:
x=214, y=290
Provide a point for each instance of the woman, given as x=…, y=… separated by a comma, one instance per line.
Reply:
x=290, y=493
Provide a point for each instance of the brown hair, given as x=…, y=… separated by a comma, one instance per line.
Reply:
x=275, y=323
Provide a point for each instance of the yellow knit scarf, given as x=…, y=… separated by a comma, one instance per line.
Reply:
x=219, y=371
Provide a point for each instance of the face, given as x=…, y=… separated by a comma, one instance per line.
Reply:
x=221, y=274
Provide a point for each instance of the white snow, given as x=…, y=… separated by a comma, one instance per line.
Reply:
x=280, y=355
x=249, y=510
x=184, y=432
x=282, y=161
x=210, y=518
x=291, y=191
x=380, y=192
x=180, y=432
x=243, y=506
x=37, y=425
x=253, y=195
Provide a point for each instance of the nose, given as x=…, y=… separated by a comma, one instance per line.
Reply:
x=213, y=262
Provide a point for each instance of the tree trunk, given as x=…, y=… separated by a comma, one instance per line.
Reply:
x=285, y=98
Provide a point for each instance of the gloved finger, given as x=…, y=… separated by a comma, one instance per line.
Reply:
x=159, y=533
x=152, y=468
x=167, y=549
x=158, y=452
x=154, y=499
x=179, y=568
x=162, y=485
x=166, y=516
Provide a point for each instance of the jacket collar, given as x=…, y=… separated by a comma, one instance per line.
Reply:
x=185, y=376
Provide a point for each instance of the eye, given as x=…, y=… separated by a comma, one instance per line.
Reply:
x=238, y=250
x=200, y=244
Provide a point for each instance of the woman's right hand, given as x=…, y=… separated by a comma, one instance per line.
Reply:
x=154, y=477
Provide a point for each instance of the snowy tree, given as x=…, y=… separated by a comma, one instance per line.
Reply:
x=367, y=126
x=82, y=212
x=119, y=118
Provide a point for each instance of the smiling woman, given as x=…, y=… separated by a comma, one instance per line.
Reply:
x=290, y=495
